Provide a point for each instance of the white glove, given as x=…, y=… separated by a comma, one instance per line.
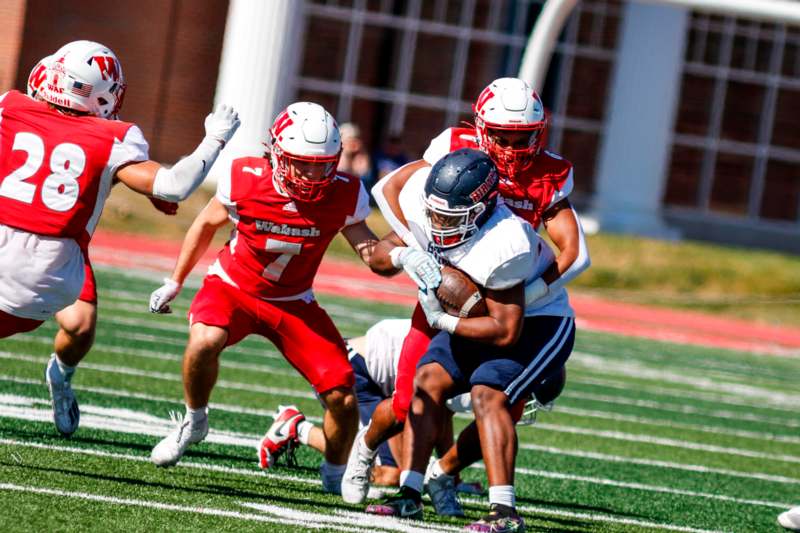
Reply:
x=163, y=295
x=222, y=124
x=419, y=265
x=437, y=318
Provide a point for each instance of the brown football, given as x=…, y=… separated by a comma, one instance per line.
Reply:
x=459, y=295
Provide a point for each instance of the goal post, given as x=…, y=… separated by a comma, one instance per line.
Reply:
x=542, y=40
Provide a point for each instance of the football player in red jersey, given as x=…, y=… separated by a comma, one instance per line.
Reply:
x=59, y=157
x=286, y=209
x=77, y=322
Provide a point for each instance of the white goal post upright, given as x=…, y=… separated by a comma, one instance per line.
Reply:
x=554, y=14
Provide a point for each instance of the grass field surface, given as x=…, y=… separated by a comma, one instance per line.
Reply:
x=647, y=436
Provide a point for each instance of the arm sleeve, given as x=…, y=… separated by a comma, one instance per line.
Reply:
x=377, y=193
x=581, y=263
x=177, y=183
x=132, y=149
x=362, y=209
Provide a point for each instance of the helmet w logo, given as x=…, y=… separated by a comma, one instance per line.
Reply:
x=109, y=67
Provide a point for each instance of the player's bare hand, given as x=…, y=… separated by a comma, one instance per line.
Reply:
x=168, y=208
x=420, y=266
x=222, y=123
x=162, y=296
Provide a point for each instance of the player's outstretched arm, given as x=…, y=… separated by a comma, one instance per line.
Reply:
x=177, y=183
x=361, y=239
x=387, y=195
x=501, y=327
x=195, y=244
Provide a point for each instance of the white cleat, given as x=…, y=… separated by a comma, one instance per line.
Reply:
x=790, y=519
x=355, y=483
x=170, y=450
x=66, y=414
x=442, y=490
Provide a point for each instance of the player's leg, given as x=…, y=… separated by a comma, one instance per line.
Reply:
x=77, y=325
x=389, y=416
x=436, y=380
x=219, y=317
x=506, y=377
x=309, y=340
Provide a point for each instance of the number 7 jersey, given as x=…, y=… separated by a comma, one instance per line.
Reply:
x=56, y=170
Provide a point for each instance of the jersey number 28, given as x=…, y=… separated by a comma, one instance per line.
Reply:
x=60, y=188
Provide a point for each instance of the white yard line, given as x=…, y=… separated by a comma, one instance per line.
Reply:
x=359, y=518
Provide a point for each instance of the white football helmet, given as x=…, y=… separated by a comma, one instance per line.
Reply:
x=305, y=147
x=506, y=107
x=37, y=77
x=86, y=77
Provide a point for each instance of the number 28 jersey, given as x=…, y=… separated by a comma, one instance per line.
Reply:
x=56, y=170
x=277, y=244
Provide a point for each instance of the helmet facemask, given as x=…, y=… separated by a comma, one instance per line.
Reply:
x=512, y=148
x=448, y=227
x=305, y=178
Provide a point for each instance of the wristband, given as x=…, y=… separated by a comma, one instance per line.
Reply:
x=394, y=255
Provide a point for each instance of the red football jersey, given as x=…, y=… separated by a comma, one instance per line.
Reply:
x=278, y=244
x=548, y=181
x=55, y=169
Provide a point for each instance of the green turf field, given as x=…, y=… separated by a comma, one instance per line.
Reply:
x=646, y=437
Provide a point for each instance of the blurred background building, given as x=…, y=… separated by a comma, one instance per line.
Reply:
x=676, y=122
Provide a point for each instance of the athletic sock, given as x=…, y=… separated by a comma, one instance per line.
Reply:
x=196, y=416
x=332, y=472
x=303, y=431
x=436, y=470
x=365, y=450
x=65, y=369
x=412, y=480
x=502, y=495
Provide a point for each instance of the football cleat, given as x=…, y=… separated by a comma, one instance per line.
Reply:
x=405, y=504
x=498, y=522
x=355, y=483
x=281, y=437
x=442, y=490
x=170, y=450
x=66, y=414
x=790, y=519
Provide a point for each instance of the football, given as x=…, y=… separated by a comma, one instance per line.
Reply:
x=459, y=295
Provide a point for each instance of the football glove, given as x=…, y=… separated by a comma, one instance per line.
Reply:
x=419, y=265
x=222, y=124
x=434, y=312
x=162, y=296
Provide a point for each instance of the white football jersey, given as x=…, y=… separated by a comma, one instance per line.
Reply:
x=504, y=252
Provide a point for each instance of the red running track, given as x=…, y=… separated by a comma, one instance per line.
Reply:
x=349, y=279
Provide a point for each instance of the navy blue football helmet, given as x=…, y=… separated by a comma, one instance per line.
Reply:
x=460, y=195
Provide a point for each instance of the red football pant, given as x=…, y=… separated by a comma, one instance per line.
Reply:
x=303, y=332
x=414, y=347
x=11, y=325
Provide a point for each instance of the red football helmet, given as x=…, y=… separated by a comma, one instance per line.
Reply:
x=511, y=124
x=305, y=148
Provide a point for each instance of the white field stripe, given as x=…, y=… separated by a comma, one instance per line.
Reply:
x=546, y=449
x=682, y=394
x=372, y=522
x=162, y=356
x=241, y=471
x=127, y=421
x=149, y=397
x=707, y=387
x=164, y=376
x=615, y=435
x=683, y=409
x=643, y=487
x=672, y=443
x=174, y=507
x=758, y=435
x=581, y=454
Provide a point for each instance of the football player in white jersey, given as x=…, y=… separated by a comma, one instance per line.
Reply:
x=452, y=212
